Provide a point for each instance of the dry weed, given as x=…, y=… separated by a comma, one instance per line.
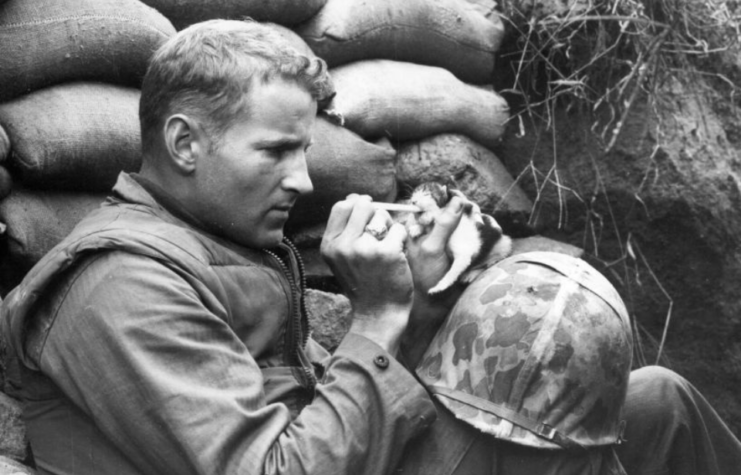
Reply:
x=601, y=56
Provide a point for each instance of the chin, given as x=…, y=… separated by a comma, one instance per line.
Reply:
x=260, y=240
x=268, y=239
x=272, y=242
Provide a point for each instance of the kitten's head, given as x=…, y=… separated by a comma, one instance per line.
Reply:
x=431, y=192
x=434, y=195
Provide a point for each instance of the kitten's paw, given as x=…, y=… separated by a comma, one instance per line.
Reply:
x=426, y=219
x=415, y=231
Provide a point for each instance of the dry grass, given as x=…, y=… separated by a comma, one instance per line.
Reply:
x=601, y=55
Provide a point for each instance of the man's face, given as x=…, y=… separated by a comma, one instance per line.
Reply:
x=248, y=183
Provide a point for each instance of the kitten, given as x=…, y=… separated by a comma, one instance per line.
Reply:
x=476, y=244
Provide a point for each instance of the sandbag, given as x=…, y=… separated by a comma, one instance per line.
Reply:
x=488, y=8
x=340, y=163
x=285, y=12
x=447, y=33
x=48, y=42
x=38, y=220
x=6, y=182
x=409, y=101
x=75, y=136
x=4, y=145
x=476, y=171
x=294, y=39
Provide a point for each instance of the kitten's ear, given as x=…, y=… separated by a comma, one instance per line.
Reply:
x=449, y=187
x=450, y=183
x=453, y=192
x=467, y=204
x=448, y=192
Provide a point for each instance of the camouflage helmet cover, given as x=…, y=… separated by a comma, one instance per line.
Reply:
x=537, y=351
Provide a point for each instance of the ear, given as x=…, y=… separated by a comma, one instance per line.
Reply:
x=185, y=141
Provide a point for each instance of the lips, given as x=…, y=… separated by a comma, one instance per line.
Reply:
x=283, y=207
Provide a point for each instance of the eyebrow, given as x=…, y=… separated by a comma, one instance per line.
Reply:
x=281, y=143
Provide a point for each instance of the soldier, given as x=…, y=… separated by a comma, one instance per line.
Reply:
x=167, y=333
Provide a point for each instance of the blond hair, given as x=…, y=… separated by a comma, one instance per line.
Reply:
x=207, y=70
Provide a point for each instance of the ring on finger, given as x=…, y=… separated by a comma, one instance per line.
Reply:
x=378, y=232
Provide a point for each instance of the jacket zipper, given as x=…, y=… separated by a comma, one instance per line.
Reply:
x=299, y=325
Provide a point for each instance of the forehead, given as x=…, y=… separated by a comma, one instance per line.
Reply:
x=272, y=109
x=264, y=96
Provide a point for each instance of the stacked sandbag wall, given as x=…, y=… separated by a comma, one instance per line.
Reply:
x=414, y=102
x=69, y=78
x=408, y=76
x=70, y=74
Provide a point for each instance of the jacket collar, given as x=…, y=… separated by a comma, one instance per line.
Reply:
x=135, y=189
x=163, y=199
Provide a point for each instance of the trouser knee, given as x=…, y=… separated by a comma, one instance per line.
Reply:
x=657, y=397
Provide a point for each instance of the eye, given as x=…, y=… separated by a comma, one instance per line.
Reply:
x=276, y=152
x=280, y=151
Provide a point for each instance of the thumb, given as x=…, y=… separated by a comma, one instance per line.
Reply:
x=445, y=223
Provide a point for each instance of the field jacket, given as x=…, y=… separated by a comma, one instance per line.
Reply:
x=143, y=345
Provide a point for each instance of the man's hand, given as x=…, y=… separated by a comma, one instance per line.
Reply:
x=373, y=273
x=429, y=261
x=427, y=255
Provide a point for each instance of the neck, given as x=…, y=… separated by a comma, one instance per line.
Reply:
x=154, y=174
x=168, y=194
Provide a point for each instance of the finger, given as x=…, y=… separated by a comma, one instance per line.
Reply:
x=340, y=215
x=379, y=224
x=361, y=214
x=445, y=223
x=396, y=237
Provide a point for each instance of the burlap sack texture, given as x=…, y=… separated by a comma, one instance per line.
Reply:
x=293, y=38
x=49, y=42
x=37, y=220
x=340, y=162
x=285, y=12
x=488, y=8
x=447, y=33
x=4, y=145
x=476, y=171
x=73, y=136
x=408, y=101
x=6, y=183
x=13, y=442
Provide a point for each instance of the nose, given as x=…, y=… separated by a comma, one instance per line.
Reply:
x=297, y=177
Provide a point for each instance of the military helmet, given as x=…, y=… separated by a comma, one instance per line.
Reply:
x=537, y=351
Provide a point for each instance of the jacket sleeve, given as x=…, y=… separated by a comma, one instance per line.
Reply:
x=173, y=388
